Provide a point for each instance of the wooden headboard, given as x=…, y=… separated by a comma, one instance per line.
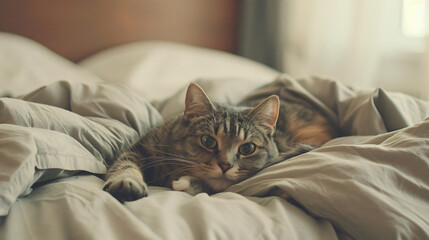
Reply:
x=78, y=28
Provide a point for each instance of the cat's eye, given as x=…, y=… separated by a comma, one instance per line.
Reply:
x=208, y=141
x=247, y=149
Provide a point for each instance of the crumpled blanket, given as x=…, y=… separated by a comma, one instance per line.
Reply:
x=65, y=128
x=371, y=183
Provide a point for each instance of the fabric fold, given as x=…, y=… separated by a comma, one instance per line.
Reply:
x=63, y=128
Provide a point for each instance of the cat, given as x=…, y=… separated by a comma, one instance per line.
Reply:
x=212, y=146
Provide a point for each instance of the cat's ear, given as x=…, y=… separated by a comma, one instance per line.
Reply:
x=197, y=104
x=267, y=113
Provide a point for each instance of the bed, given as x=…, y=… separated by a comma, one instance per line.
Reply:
x=67, y=112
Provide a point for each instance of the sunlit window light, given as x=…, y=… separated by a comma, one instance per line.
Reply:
x=414, y=18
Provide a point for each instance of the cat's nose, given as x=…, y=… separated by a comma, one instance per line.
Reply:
x=225, y=166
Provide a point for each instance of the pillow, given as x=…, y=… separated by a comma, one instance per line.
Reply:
x=158, y=69
x=26, y=65
x=220, y=90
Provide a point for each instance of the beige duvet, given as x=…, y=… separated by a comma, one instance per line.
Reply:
x=373, y=183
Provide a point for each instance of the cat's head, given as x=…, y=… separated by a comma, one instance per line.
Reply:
x=230, y=144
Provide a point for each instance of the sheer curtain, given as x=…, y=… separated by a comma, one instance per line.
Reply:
x=357, y=42
x=334, y=38
x=424, y=85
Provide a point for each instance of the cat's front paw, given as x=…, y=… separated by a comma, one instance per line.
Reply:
x=188, y=184
x=125, y=189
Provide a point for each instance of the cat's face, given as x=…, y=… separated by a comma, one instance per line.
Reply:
x=229, y=144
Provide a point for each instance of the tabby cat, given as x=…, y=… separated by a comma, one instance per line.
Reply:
x=212, y=146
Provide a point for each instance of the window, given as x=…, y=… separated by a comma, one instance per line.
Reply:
x=414, y=18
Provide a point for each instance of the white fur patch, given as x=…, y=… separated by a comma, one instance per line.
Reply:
x=181, y=184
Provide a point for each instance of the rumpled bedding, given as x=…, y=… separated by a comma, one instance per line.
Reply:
x=372, y=183
x=68, y=126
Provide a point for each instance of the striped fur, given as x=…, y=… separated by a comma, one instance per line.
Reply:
x=174, y=153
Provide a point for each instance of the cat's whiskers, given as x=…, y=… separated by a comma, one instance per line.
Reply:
x=159, y=151
x=155, y=145
x=171, y=173
x=162, y=162
x=243, y=173
x=158, y=158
